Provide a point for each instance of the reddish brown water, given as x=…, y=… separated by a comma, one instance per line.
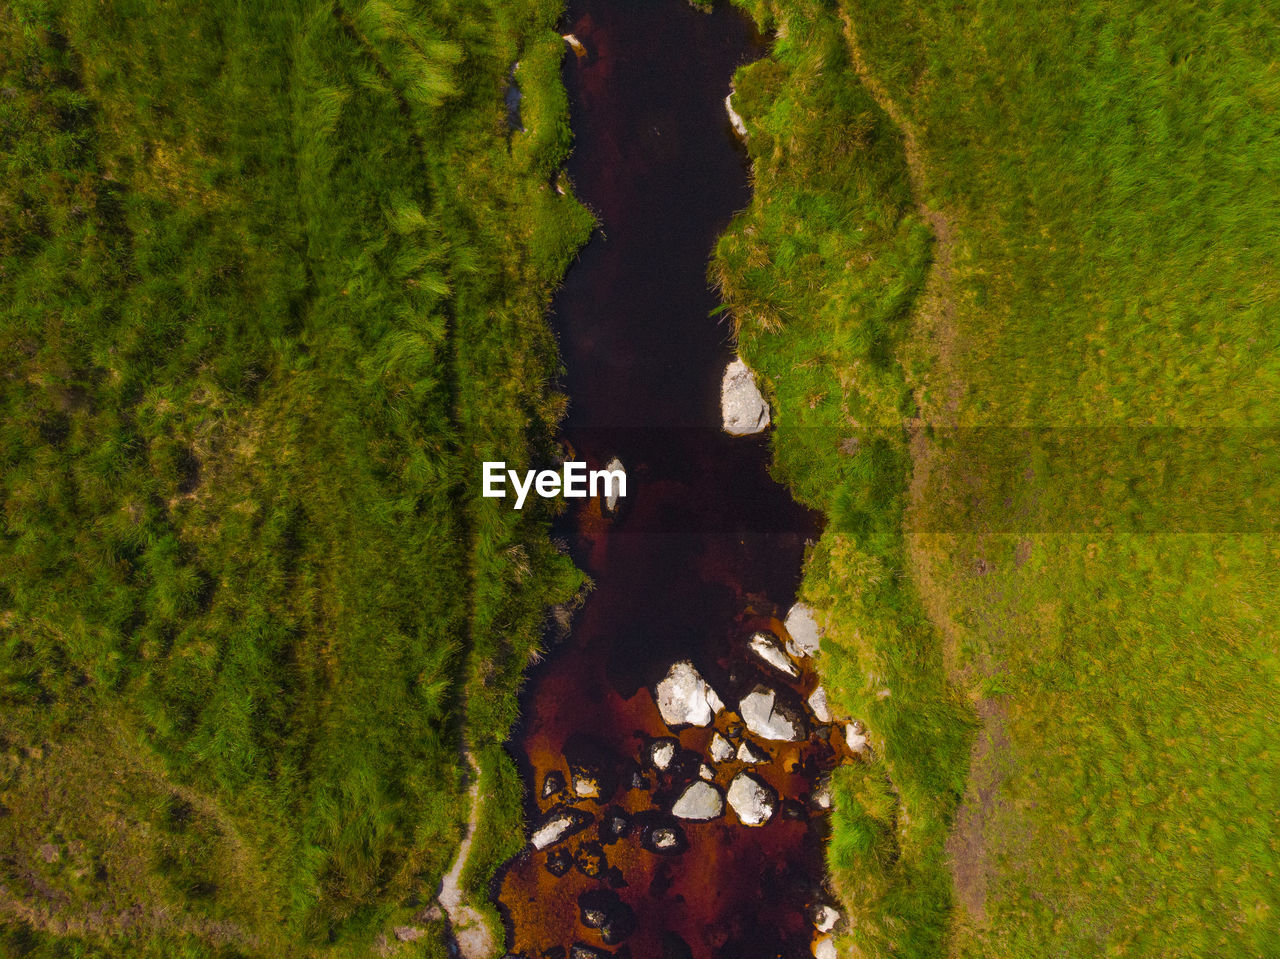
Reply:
x=705, y=549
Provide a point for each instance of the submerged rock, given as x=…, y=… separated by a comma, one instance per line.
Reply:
x=664, y=838
x=558, y=824
x=742, y=407
x=580, y=951
x=749, y=752
x=767, y=648
x=752, y=799
x=721, y=749
x=684, y=698
x=589, y=859
x=559, y=861
x=700, y=801
x=552, y=783
x=614, y=825
x=803, y=628
x=575, y=44
x=706, y=772
x=769, y=718
x=603, y=909
x=818, y=705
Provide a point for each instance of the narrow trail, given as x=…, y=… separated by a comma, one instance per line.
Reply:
x=936, y=311
x=471, y=932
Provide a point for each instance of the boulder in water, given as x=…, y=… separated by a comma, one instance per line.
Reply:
x=661, y=753
x=742, y=407
x=803, y=628
x=818, y=705
x=700, y=801
x=768, y=649
x=770, y=718
x=611, y=498
x=721, y=749
x=752, y=799
x=559, y=824
x=684, y=698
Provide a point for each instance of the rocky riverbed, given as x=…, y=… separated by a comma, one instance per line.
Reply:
x=756, y=754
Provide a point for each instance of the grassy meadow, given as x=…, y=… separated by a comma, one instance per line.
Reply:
x=272, y=283
x=1022, y=343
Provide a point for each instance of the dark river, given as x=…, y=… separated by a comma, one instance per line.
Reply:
x=706, y=548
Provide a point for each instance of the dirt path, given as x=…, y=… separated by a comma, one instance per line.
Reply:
x=470, y=928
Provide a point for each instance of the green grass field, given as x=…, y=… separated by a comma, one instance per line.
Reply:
x=1076, y=630
x=272, y=282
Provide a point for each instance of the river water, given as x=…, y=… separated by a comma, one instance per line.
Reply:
x=704, y=550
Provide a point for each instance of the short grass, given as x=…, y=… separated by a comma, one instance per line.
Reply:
x=1104, y=175
x=272, y=282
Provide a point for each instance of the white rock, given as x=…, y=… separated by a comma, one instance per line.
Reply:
x=741, y=406
x=768, y=718
x=558, y=824
x=701, y=801
x=818, y=705
x=714, y=701
x=739, y=127
x=684, y=698
x=855, y=734
x=825, y=949
x=749, y=752
x=752, y=799
x=613, y=466
x=802, y=627
x=661, y=752
x=721, y=749
x=575, y=44
x=706, y=772
x=767, y=648
x=825, y=918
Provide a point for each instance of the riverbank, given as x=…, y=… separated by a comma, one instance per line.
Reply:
x=273, y=287
x=1107, y=258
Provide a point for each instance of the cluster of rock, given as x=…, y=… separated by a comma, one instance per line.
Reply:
x=727, y=777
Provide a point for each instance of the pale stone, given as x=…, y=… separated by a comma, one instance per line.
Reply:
x=661, y=753
x=825, y=949
x=802, y=627
x=739, y=126
x=575, y=44
x=558, y=824
x=767, y=648
x=768, y=718
x=700, y=801
x=684, y=698
x=706, y=772
x=818, y=705
x=855, y=734
x=721, y=749
x=752, y=800
x=825, y=918
x=742, y=406
x=611, y=501
x=749, y=752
